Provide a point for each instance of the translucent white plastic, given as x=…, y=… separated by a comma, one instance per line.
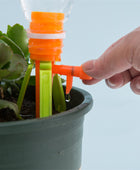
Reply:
x=63, y=6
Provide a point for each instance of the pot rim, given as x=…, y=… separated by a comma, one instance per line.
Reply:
x=80, y=110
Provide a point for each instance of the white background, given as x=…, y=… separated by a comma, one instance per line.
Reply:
x=112, y=127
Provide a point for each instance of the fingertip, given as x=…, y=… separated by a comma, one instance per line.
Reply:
x=110, y=84
x=135, y=85
x=90, y=82
x=116, y=81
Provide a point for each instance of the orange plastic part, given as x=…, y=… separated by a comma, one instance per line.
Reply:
x=70, y=71
x=45, y=50
x=51, y=28
x=49, y=23
x=50, y=50
x=69, y=84
x=37, y=65
x=46, y=16
x=75, y=71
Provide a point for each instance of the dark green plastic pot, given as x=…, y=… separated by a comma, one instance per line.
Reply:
x=53, y=143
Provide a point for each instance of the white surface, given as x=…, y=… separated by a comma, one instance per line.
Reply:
x=112, y=128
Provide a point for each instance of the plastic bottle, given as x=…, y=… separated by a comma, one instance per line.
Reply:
x=46, y=35
x=59, y=6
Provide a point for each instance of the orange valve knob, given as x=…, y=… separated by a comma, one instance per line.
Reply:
x=70, y=72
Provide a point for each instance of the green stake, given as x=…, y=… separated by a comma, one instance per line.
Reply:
x=45, y=89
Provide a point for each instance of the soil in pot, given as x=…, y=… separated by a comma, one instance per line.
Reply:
x=28, y=106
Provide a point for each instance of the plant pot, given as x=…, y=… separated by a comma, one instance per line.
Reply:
x=53, y=143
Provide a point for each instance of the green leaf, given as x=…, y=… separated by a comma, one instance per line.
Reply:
x=16, y=70
x=17, y=67
x=6, y=66
x=58, y=94
x=1, y=33
x=18, y=34
x=6, y=104
x=9, y=27
x=4, y=73
x=16, y=49
x=5, y=53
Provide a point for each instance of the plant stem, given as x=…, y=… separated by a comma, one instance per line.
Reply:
x=24, y=86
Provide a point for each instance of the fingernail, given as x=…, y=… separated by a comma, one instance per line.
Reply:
x=110, y=84
x=138, y=84
x=116, y=81
x=88, y=66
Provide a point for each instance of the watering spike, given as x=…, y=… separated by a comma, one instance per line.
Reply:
x=46, y=36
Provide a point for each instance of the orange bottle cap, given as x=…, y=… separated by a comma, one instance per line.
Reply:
x=46, y=16
x=46, y=32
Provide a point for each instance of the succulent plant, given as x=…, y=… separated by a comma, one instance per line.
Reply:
x=13, y=61
x=15, y=70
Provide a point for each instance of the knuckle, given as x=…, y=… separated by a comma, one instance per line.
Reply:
x=132, y=42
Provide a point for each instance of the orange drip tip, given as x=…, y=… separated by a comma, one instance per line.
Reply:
x=69, y=84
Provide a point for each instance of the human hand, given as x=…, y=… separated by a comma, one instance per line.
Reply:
x=119, y=64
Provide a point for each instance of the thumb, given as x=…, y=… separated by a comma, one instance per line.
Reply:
x=113, y=61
